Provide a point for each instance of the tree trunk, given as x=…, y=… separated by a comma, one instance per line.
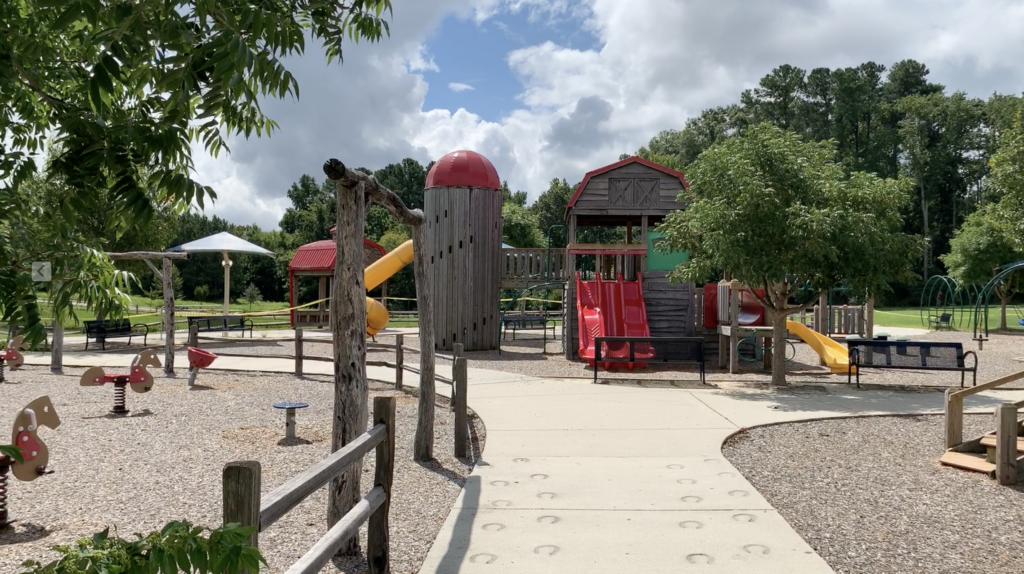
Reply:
x=423, y=446
x=168, y=282
x=927, y=243
x=348, y=330
x=779, y=342
x=1004, y=300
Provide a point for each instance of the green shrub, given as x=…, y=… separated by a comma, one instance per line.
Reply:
x=251, y=295
x=201, y=292
x=178, y=547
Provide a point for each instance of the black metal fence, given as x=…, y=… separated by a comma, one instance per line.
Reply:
x=649, y=350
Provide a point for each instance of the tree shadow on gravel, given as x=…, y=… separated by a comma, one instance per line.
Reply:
x=838, y=400
x=22, y=532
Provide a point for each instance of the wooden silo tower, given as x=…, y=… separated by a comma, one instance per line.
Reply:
x=462, y=207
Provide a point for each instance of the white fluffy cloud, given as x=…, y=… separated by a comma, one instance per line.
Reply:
x=658, y=62
x=459, y=87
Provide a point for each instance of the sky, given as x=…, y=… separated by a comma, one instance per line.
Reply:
x=555, y=88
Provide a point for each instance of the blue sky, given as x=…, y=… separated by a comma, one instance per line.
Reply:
x=475, y=54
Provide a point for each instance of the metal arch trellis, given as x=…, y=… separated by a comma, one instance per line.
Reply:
x=980, y=318
x=943, y=294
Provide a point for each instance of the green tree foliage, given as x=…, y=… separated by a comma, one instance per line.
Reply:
x=549, y=209
x=1007, y=179
x=978, y=249
x=519, y=198
x=779, y=213
x=177, y=547
x=519, y=227
x=201, y=292
x=252, y=296
x=119, y=93
x=313, y=210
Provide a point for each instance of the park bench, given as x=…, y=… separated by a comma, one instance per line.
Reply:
x=526, y=322
x=909, y=355
x=941, y=321
x=101, y=330
x=649, y=350
x=221, y=323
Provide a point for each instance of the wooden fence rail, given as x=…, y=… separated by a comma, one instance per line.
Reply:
x=242, y=503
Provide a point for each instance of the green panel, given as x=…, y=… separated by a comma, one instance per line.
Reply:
x=657, y=261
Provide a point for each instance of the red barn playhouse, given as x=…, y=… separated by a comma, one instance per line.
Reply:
x=317, y=260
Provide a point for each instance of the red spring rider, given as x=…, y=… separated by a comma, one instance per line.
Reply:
x=12, y=356
x=198, y=359
x=140, y=380
x=35, y=455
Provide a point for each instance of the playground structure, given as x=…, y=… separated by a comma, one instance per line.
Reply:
x=12, y=357
x=139, y=379
x=317, y=260
x=981, y=304
x=612, y=309
x=198, y=359
x=34, y=452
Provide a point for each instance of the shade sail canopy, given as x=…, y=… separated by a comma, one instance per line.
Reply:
x=220, y=242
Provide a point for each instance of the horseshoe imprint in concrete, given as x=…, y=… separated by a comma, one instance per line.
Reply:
x=549, y=519
x=546, y=495
x=539, y=476
x=744, y=517
x=686, y=481
x=520, y=460
x=675, y=467
x=493, y=527
x=715, y=460
x=691, y=524
x=691, y=499
x=548, y=549
x=756, y=549
x=727, y=474
x=483, y=558
x=740, y=493
x=502, y=503
x=699, y=559
x=499, y=483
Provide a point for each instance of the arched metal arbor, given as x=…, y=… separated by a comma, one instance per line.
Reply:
x=943, y=294
x=981, y=305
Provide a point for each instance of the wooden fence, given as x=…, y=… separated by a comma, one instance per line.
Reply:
x=522, y=267
x=243, y=505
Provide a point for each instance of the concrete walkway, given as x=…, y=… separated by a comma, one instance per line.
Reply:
x=583, y=478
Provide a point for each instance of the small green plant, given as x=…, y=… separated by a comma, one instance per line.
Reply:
x=251, y=295
x=201, y=292
x=178, y=547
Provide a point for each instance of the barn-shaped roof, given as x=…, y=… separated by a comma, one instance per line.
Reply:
x=319, y=255
x=635, y=159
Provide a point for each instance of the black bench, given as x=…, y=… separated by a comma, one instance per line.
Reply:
x=650, y=350
x=909, y=355
x=941, y=321
x=221, y=323
x=101, y=330
x=526, y=322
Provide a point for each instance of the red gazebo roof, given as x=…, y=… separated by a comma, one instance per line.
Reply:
x=319, y=255
x=463, y=168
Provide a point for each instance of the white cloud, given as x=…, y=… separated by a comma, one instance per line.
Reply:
x=459, y=87
x=658, y=62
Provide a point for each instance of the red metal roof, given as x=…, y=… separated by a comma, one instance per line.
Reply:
x=616, y=165
x=319, y=255
x=463, y=169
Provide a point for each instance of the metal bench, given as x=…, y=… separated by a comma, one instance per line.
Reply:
x=909, y=355
x=221, y=323
x=941, y=321
x=526, y=322
x=650, y=350
x=101, y=330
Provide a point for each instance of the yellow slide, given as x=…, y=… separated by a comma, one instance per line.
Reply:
x=836, y=357
x=374, y=275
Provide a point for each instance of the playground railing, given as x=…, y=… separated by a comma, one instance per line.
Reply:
x=243, y=505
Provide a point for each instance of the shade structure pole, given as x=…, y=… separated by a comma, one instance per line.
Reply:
x=227, y=280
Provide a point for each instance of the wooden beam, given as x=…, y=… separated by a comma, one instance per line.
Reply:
x=378, y=536
x=136, y=255
x=153, y=268
x=374, y=191
x=168, y=288
x=344, y=530
x=1006, y=444
x=241, y=496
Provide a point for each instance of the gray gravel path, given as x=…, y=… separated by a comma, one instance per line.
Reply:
x=164, y=463
x=871, y=498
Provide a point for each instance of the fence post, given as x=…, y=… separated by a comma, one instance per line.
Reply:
x=399, y=360
x=298, y=352
x=460, y=381
x=456, y=353
x=57, y=349
x=241, y=484
x=1006, y=443
x=377, y=535
x=193, y=335
x=954, y=419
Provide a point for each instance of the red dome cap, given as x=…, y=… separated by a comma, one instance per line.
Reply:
x=463, y=169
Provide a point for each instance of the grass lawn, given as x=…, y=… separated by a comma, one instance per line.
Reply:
x=911, y=317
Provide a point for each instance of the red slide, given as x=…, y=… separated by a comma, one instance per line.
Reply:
x=611, y=309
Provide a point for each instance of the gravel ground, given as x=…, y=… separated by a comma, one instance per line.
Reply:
x=164, y=463
x=871, y=498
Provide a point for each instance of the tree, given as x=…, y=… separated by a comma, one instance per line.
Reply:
x=549, y=209
x=519, y=227
x=518, y=198
x=252, y=296
x=777, y=98
x=119, y=93
x=1007, y=180
x=978, y=250
x=777, y=213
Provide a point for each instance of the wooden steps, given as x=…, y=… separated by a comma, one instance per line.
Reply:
x=968, y=461
x=989, y=441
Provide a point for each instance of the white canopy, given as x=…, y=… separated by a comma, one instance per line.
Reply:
x=220, y=242
x=223, y=243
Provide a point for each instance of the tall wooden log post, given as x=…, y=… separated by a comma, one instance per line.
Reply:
x=423, y=445
x=168, y=272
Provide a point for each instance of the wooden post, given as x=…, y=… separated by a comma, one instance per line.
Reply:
x=954, y=419
x=241, y=495
x=377, y=533
x=193, y=335
x=460, y=376
x=399, y=361
x=1006, y=444
x=734, y=325
x=869, y=319
x=57, y=349
x=168, y=287
x=298, y=352
x=457, y=350
x=348, y=330
x=423, y=444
